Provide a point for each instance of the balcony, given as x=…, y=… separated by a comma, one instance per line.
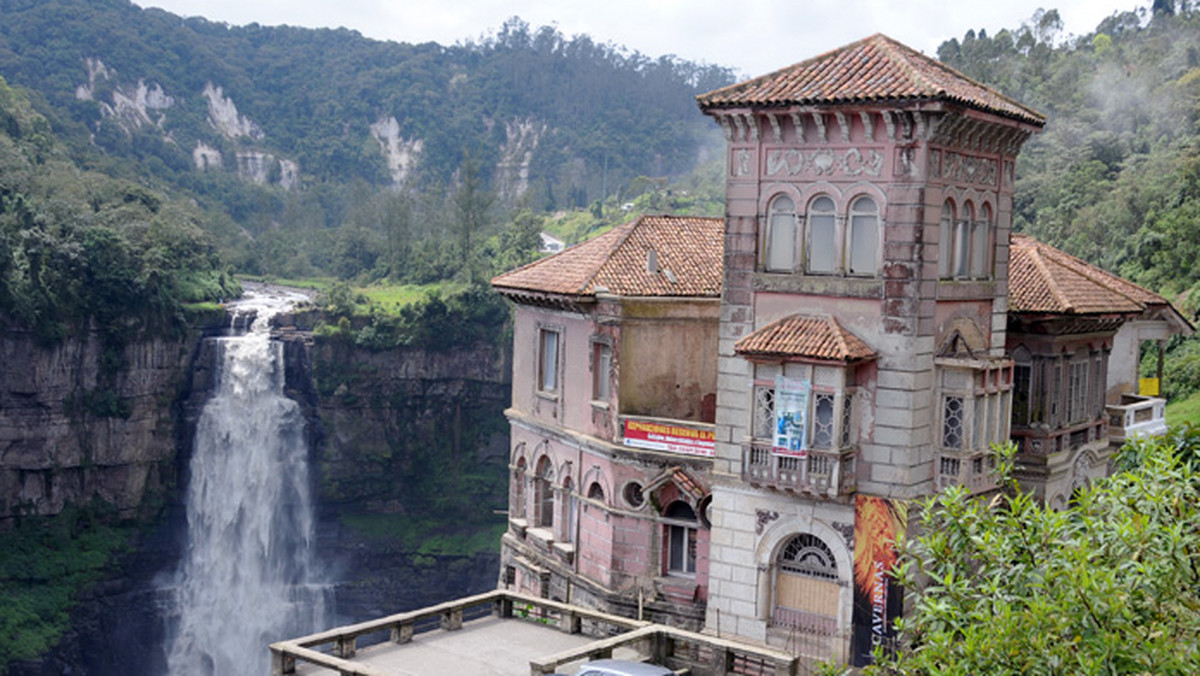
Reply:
x=972, y=471
x=828, y=473
x=1136, y=416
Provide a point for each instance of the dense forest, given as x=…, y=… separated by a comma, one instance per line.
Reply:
x=321, y=152
x=293, y=152
x=1115, y=176
x=79, y=246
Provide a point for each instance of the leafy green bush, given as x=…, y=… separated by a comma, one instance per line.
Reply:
x=44, y=563
x=1108, y=585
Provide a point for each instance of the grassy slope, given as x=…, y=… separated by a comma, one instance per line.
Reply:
x=1184, y=410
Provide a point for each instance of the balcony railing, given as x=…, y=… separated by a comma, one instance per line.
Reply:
x=972, y=471
x=822, y=472
x=1136, y=416
x=337, y=650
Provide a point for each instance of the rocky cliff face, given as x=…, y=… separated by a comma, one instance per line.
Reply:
x=389, y=426
x=80, y=422
x=408, y=435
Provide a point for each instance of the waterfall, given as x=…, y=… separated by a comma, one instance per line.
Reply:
x=246, y=578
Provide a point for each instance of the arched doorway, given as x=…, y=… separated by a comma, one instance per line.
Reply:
x=806, y=594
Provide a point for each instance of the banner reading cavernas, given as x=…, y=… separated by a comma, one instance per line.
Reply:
x=878, y=597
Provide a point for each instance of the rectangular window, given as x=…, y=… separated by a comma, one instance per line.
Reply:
x=1077, y=392
x=1022, y=380
x=548, y=360
x=1053, y=397
x=822, y=243
x=847, y=419
x=781, y=242
x=864, y=244
x=682, y=546
x=962, y=251
x=822, y=434
x=764, y=412
x=602, y=369
x=953, y=429
x=979, y=251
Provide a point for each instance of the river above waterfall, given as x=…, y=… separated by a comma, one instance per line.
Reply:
x=247, y=577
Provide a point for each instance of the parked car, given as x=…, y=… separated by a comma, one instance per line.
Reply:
x=622, y=668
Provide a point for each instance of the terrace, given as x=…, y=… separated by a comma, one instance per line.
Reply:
x=506, y=633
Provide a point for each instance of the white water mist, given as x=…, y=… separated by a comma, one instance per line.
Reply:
x=246, y=579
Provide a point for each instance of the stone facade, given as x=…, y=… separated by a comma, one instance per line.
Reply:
x=873, y=342
x=602, y=513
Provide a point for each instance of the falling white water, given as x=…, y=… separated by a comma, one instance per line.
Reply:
x=246, y=579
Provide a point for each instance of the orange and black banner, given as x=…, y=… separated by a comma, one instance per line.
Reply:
x=878, y=598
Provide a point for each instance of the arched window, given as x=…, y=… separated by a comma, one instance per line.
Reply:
x=981, y=243
x=822, y=236
x=518, y=490
x=946, y=241
x=681, y=538
x=596, y=491
x=806, y=593
x=863, y=239
x=543, y=494
x=962, y=241
x=570, y=508
x=780, y=254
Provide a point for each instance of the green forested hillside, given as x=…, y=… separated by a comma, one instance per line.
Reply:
x=80, y=247
x=1115, y=176
x=327, y=152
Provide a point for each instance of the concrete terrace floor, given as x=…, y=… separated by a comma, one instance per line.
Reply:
x=488, y=646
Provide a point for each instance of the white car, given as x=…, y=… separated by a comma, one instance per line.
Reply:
x=622, y=668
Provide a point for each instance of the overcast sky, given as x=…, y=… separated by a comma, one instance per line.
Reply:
x=751, y=36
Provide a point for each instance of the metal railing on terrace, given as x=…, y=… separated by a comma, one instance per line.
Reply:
x=686, y=652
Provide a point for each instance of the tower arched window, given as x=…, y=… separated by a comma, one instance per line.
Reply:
x=863, y=238
x=822, y=236
x=780, y=246
x=981, y=236
x=962, y=241
x=946, y=241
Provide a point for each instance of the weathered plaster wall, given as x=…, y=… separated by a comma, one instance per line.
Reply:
x=669, y=368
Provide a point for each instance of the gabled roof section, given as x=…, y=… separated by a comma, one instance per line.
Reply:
x=1044, y=280
x=687, y=484
x=804, y=337
x=651, y=256
x=877, y=69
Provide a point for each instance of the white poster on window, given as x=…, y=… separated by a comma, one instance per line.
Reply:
x=791, y=416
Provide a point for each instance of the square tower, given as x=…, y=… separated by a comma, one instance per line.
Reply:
x=862, y=339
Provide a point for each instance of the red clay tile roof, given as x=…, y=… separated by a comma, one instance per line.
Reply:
x=1044, y=280
x=806, y=337
x=875, y=69
x=689, y=252
x=682, y=479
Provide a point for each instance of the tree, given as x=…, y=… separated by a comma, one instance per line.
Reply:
x=472, y=211
x=1009, y=586
x=520, y=240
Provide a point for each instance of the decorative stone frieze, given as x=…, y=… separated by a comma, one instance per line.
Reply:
x=825, y=162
